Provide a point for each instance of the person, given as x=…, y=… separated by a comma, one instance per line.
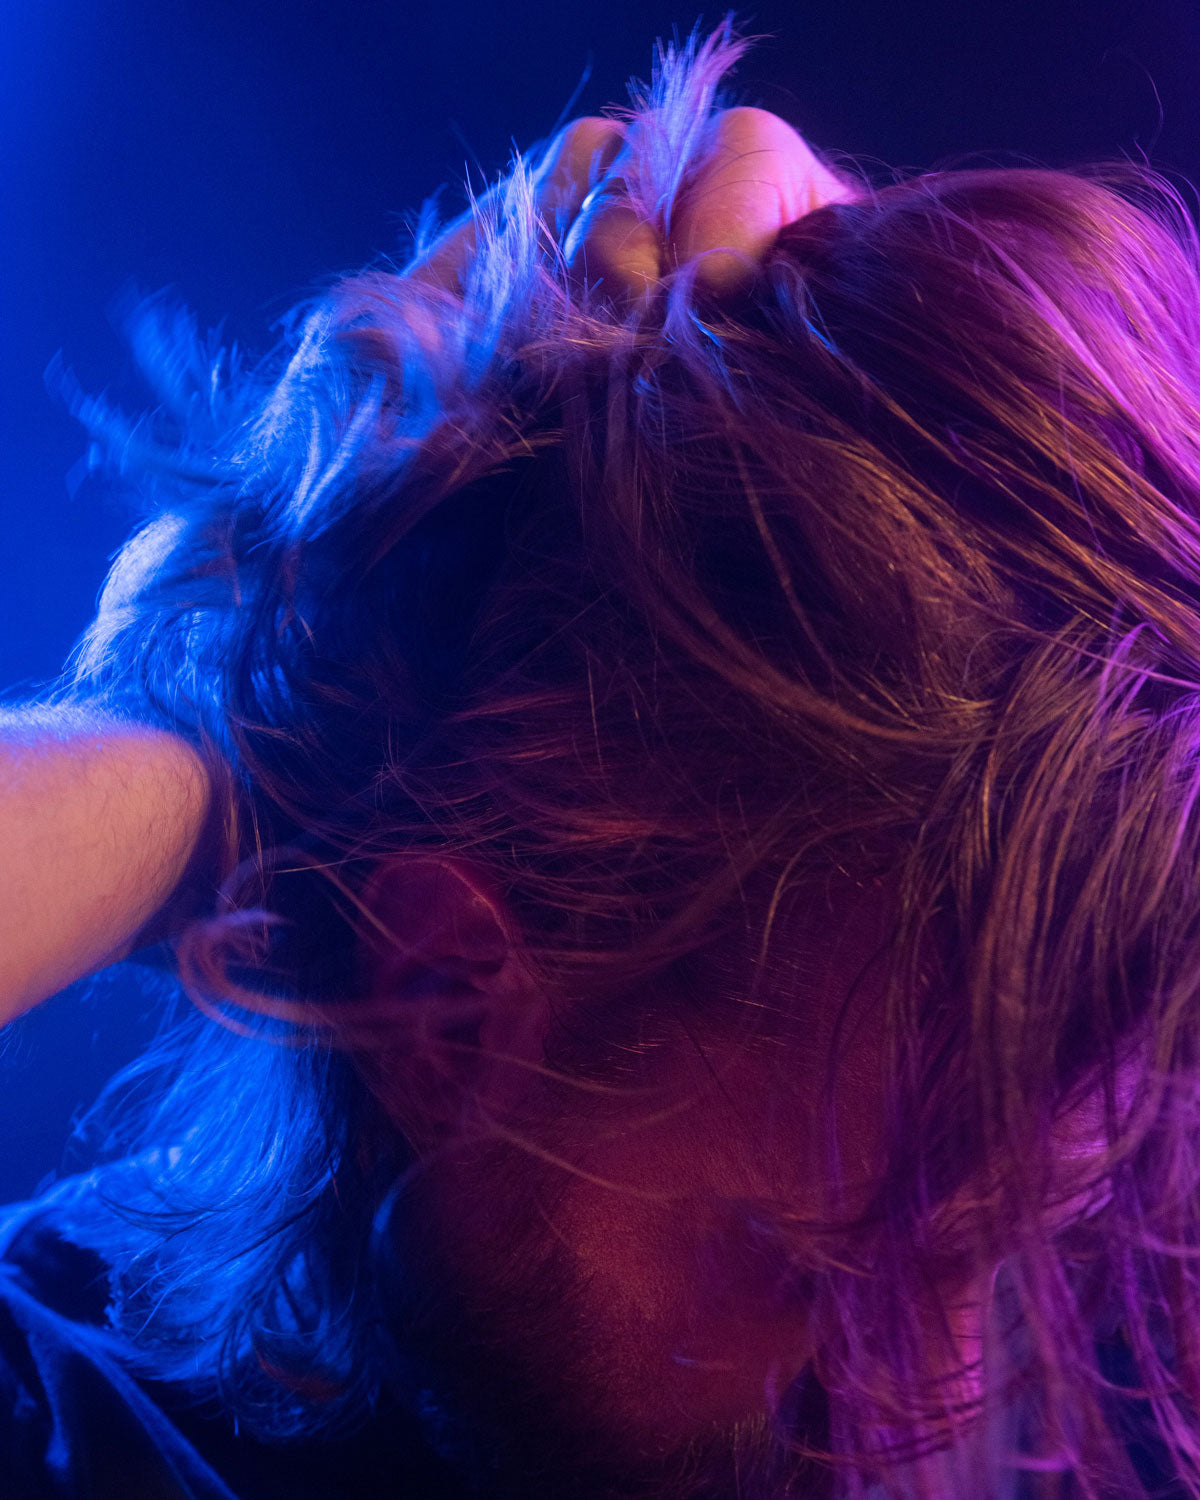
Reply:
x=659, y=739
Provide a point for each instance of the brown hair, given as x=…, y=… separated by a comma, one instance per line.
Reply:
x=891, y=570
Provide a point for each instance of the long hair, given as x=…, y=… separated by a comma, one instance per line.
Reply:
x=892, y=569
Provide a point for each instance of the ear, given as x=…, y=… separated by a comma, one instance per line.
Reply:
x=443, y=966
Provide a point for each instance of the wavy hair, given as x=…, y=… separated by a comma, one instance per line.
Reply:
x=892, y=569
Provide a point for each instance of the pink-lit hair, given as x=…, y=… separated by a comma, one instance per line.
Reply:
x=890, y=572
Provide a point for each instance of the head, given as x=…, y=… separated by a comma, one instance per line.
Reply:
x=712, y=847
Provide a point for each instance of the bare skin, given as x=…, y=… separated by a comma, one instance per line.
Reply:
x=102, y=818
x=644, y=1205
x=687, y=1336
x=759, y=175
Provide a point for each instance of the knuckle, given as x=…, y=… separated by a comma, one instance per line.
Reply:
x=578, y=142
x=745, y=125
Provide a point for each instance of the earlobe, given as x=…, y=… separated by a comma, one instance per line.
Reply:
x=443, y=962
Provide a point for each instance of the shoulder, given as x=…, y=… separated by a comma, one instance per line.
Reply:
x=78, y=1418
x=73, y=1421
x=40, y=1254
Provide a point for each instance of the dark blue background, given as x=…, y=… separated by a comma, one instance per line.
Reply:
x=241, y=152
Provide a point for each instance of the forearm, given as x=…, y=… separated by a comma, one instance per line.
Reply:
x=99, y=820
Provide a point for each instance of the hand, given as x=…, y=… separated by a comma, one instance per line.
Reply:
x=756, y=175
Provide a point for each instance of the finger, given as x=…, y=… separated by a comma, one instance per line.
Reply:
x=611, y=248
x=578, y=159
x=759, y=175
x=573, y=163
